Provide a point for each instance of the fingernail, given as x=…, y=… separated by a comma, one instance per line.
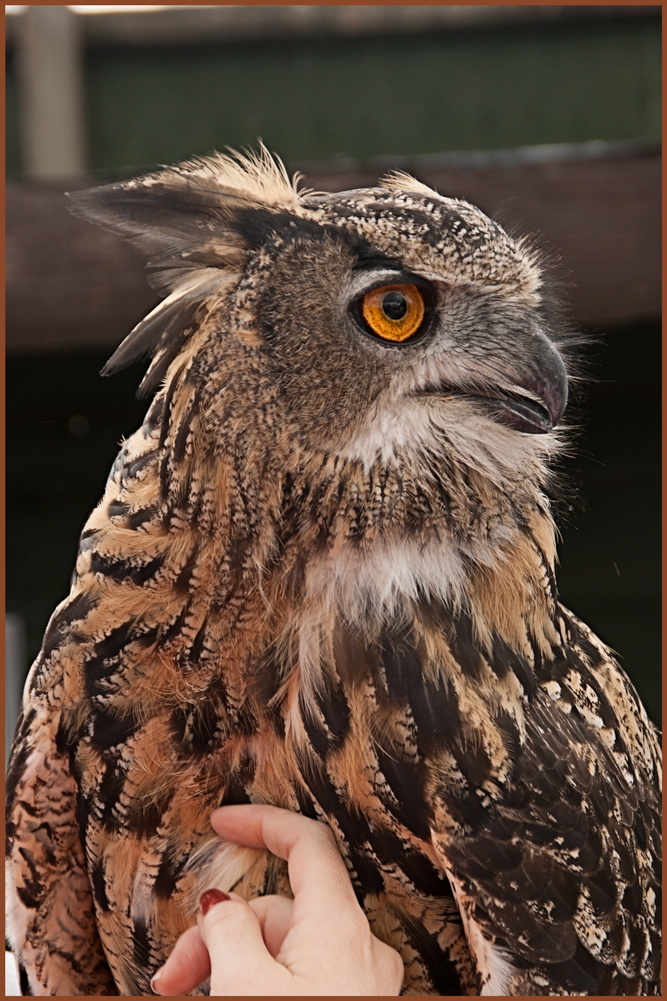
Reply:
x=154, y=980
x=210, y=898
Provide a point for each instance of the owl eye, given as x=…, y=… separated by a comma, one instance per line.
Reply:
x=393, y=312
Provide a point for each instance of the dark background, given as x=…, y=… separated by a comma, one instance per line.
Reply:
x=345, y=104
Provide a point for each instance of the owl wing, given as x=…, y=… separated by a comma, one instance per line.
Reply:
x=532, y=785
x=554, y=860
x=50, y=914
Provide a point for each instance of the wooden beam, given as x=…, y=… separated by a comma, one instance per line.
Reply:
x=71, y=285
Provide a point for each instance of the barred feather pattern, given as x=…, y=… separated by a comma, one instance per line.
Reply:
x=366, y=633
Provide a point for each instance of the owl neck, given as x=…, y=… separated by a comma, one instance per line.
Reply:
x=374, y=542
x=276, y=522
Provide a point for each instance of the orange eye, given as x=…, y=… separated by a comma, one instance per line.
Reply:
x=393, y=312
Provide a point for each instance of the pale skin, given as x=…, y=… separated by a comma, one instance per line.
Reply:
x=319, y=944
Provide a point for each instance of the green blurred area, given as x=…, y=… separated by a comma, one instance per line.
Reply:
x=610, y=553
x=396, y=94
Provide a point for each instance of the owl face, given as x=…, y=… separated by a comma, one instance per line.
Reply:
x=391, y=319
x=371, y=324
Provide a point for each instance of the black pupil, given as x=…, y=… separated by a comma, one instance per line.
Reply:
x=394, y=305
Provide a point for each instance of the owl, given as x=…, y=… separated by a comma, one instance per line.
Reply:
x=322, y=576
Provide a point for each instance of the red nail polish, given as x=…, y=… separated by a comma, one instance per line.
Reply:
x=210, y=898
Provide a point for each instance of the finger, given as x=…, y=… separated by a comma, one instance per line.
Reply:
x=317, y=872
x=329, y=941
x=274, y=914
x=187, y=966
x=241, y=963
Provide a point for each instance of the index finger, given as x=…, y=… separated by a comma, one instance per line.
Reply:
x=316, y=869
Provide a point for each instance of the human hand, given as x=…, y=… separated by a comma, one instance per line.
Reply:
x=318, y=944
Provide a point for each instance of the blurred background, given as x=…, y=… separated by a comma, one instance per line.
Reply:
x=547, y=117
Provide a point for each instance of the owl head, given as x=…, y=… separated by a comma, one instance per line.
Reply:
x=386, y=328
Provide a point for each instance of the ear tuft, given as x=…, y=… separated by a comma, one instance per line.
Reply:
x=191, y=216
x=195, y=223
x=398, y=180
x=262, y=177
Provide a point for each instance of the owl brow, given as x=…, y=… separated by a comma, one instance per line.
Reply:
x=374, y=260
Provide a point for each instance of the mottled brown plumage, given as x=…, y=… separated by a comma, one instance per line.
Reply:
x=322, y=576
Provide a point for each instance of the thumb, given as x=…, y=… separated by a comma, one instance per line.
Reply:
x=240, y=961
